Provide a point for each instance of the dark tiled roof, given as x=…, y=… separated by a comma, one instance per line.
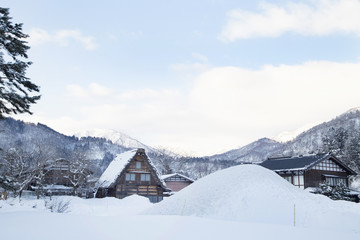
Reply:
x=293, y=163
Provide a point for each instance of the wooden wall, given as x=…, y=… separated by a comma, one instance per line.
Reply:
x=314, y=177
x=150, y=187
x=177, y=186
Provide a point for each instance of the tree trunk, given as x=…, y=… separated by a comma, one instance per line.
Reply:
x=74, y=190
x=38, y=193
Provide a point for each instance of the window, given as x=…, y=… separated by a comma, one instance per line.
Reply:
x=333, y=180
x=130, y=177
x=138, y=165
x=145, y=177
x=288, y=178
x=299, y=181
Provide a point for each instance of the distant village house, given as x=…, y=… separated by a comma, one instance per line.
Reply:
x=58, y=177
x=176, y=181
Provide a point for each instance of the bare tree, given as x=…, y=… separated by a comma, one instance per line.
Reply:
x=79, y=172
x=17, y=170
x=41, y=161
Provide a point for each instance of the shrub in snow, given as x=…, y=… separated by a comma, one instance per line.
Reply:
x=57, y=205
x=339, y=192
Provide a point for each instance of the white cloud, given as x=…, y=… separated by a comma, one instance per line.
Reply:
x=62, y=38
x=226, y=107
x=89, y=92
x=314, y=18
x=275, y=97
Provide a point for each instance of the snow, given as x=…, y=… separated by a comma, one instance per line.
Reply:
x=115, y=168
x=352, y=110
x=245, y=201
x=286, y=136
x=114, y=136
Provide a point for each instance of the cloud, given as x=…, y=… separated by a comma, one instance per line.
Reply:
x=316, y=18
x=198, y=65
x=277, y=96
x=62, y=38
x=225, y=108
x=89, y=92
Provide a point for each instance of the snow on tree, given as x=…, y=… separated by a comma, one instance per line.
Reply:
x=338, y=192
x=79, y=171
x=16, y=170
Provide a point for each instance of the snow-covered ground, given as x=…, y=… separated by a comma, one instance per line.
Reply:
x=247, y=202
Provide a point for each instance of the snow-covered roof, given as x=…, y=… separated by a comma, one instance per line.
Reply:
x=157, y=173
x=164, y=177
x=115, y=168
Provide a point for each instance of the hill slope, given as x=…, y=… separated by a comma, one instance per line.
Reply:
x=254, y=152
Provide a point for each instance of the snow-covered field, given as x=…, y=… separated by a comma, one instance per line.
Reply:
x=243, y=202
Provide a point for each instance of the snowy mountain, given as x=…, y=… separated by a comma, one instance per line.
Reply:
x=254, y=152
x=116, y=137
x=287, y=136
x=98, y=146
x=311, y=141
x=341, y=136
x=30, y=137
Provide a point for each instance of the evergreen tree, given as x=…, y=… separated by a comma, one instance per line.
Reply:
x=335, y=141
x=353, y=153
x=15, y=87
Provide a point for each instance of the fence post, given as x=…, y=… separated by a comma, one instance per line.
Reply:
x=182, y=210
x=294, y=215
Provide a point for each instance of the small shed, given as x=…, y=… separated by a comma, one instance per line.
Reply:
x=132, y=172
x=310, y=170
x=176, y=181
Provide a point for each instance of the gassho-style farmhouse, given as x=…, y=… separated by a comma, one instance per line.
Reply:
x=132, y=173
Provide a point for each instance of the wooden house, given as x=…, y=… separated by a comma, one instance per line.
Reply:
x=131, y=173
x=311, y=170
x=176, y=181
x=56, y=179
x=56, y=171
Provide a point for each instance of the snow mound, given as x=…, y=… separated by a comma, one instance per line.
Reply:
x=110, y=206
x=251, y=193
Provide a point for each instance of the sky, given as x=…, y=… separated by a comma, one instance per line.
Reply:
x=196, y=77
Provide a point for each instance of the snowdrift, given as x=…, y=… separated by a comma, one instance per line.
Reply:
x=252, y=193
x=109, y=206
